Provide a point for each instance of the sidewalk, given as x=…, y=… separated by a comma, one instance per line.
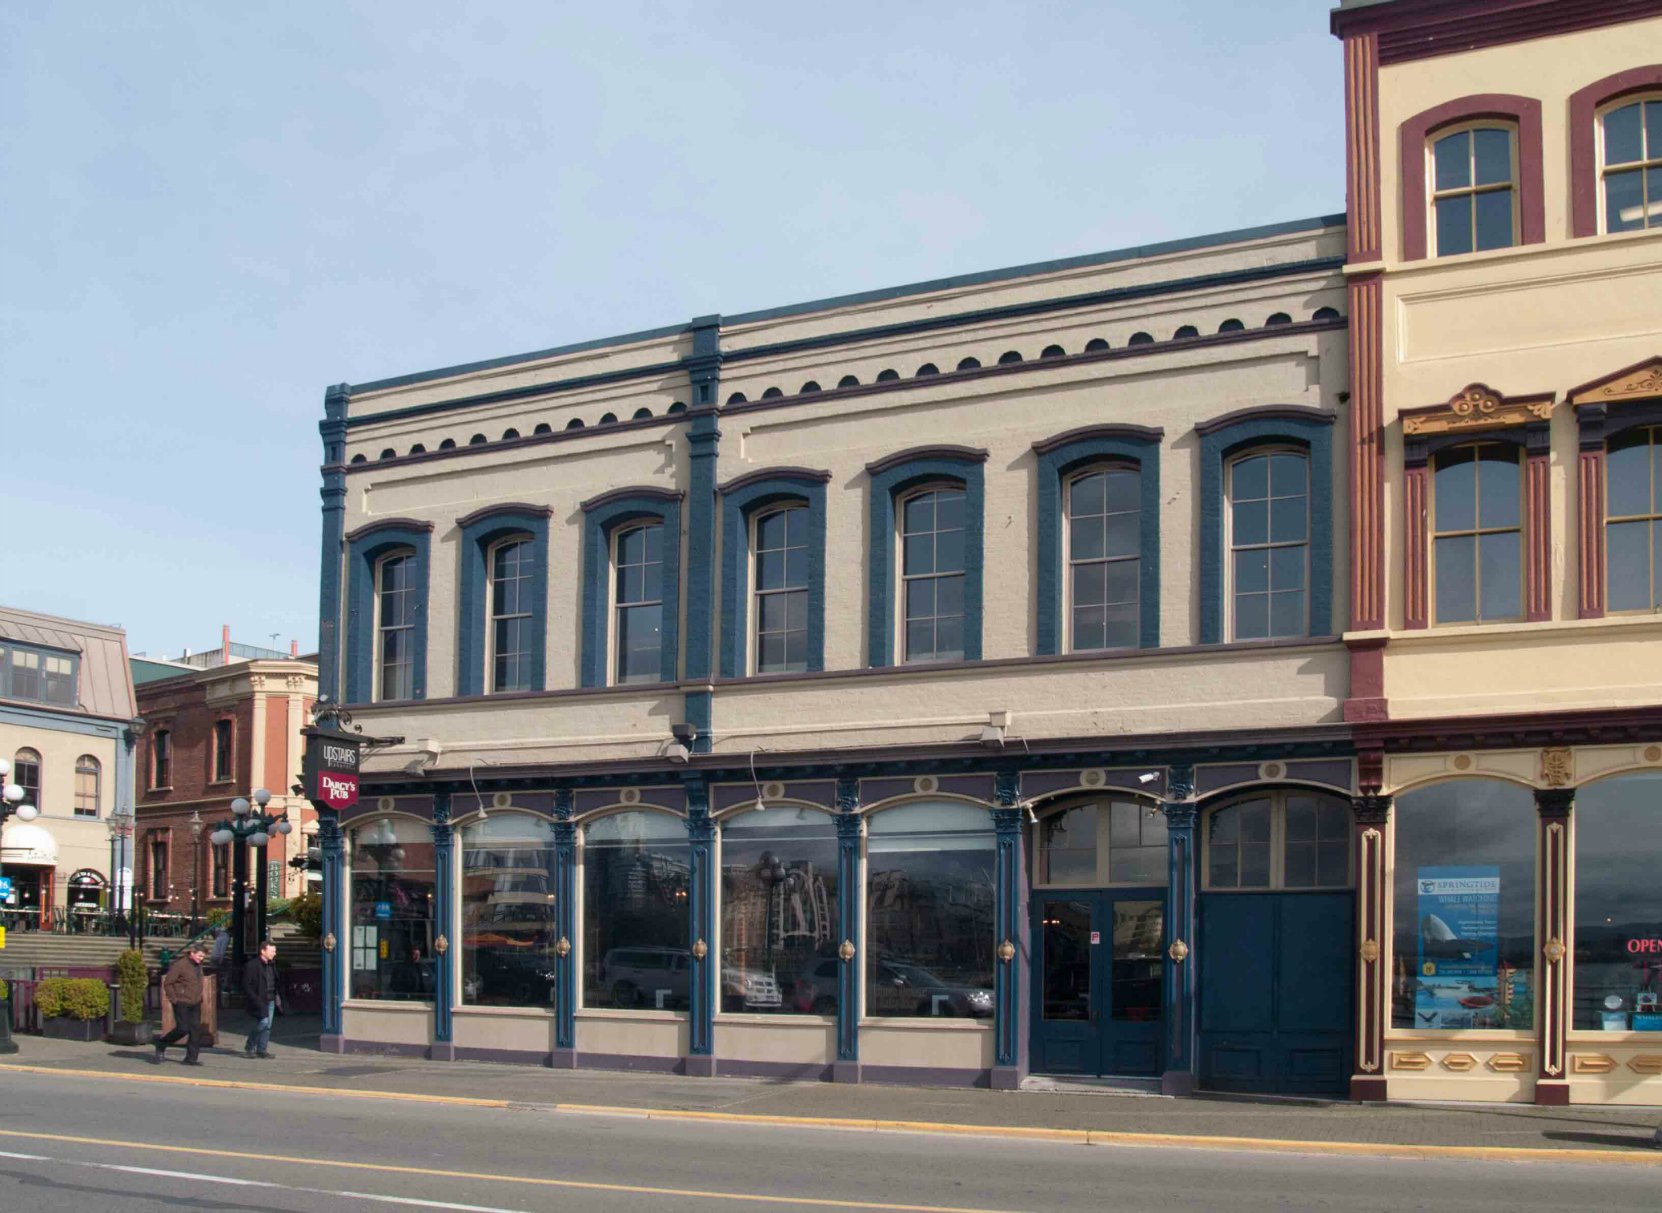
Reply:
x=1109, y=1117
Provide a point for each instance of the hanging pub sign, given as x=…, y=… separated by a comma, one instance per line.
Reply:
x=329, y=772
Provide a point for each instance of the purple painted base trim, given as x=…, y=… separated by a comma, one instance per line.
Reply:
x=1552, y=1093
x=631, y=1061
x=699, y=1065
x=507, y=1057
x=1007, y=1078
x=926, y=1076
x=1367, y=1089
x=1177, y=1082
x=331, y=1044
x=789, y=1071
x=442, y=1050
x=563, y=1059
x=379, y=1048
x=845, y=1071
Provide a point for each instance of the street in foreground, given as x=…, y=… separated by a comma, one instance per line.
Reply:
x=67, y=1144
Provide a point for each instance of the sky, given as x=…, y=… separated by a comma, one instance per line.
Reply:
x=209, y=212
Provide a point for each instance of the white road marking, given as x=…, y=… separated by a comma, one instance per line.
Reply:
x=25, y=1157
x=425, y=1204
x=209, y=1179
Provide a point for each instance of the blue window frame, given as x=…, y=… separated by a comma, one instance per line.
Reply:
x=1225, y=443
x=502, y=617
x=1269, y=544
x=773, y=551
x=631, y=586
x=369, y=549
x=1098, y=578
x=894, y=480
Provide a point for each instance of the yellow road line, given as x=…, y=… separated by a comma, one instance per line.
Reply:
x=1641, y=1155
x=489, y=1177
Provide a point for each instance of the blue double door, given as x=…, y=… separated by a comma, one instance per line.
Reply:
x=1276, y=992
x=1097, y=981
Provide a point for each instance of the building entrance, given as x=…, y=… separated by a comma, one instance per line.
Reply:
x=1097, y=979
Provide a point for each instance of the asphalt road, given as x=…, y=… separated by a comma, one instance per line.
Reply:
x=68, y=1145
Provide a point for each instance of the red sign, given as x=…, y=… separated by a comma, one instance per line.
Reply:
x=337, y=789
x=1644, y=946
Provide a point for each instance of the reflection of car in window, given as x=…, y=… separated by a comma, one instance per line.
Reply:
x=901, y=988
x=657, y=977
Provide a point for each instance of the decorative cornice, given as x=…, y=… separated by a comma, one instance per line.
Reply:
x=388, y=524
x=958, y=454
x=645, y=492
x=1641, y=381
x=508, y=507
x=1477, y=407
x=1268, y=412
x=1421, y=29
x=1098, y=433
x=804, y=475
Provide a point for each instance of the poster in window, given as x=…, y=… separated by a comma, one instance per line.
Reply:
x=1461, y=983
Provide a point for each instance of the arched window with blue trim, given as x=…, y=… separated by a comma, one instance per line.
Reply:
x=386, y=626
x=502, y=618
x=1269, y=543
x=638, y=603
x=773, y=572
x=1104, y=522
x=631, y=587
x=932, y=573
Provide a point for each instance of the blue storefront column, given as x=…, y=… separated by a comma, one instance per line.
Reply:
x=847, y=1066
x=702, y=968
x=1179, y=1072
x=444, y=919
x=335, y=938
x=564, y=1056
x=1012, y=952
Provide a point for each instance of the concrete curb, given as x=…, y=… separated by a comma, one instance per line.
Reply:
x=1090, y=1137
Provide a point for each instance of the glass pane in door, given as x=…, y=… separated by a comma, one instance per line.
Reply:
x=1139, y=928
x=1067, y=960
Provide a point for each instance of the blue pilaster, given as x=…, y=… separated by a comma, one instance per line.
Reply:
x=336, y=938
x=333, y=430
x=565, y=950
x=849, y=823
x=704, y=443
x=444, y=915
x=701, y=929
x=1011, y=955
x=1182, y=873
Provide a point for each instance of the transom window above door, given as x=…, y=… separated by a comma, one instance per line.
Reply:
x=1474, y=191
x=1279, y=840
x=1114, y=840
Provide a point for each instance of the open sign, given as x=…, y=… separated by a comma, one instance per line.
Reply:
x=337, y=789
x=1645, y=947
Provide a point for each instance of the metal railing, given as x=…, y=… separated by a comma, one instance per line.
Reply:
x=89, y=921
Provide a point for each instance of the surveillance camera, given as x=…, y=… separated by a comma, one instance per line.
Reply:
x=676, y=752
x=1148, y=777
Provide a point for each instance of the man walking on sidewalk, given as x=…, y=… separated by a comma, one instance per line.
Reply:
x=259, y=990
x=183, y=988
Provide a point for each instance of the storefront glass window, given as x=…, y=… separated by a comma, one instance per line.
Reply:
x=635, y=913
x=1121, y=841
x=1618, y=905
x=929, y=911
x=1464, y=945
x=778, y=912
x=392, y=911
x=508, y=922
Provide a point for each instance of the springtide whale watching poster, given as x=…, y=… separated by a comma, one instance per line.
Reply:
x=1459, y=915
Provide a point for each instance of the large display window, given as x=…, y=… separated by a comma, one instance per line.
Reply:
x=929, y=911
x=391, y=947
x=1618, y=905
x=778, y=912
x=636, y=869
x=1464, y=944
x=508, y=911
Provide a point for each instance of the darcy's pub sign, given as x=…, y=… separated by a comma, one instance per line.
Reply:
x=330, y=771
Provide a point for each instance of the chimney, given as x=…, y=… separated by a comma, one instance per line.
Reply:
x=294, y=648
x=225, y=644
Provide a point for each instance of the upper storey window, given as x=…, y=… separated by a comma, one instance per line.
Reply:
x=1104, y=550
x=512, y=635
x=395, y=627
x=638, y=605
x=781, y=581
x=1269, y=544
x=932, y=574
x=1477, y=533
x=1474, y=190
x=1632, y=165
x=1633, y=520
x=38, y=675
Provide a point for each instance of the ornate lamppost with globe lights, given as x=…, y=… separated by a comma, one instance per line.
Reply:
x=13, y=803
x=248, y=826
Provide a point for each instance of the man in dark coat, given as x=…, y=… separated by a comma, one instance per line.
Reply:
x=183, y=988
x=259, y=993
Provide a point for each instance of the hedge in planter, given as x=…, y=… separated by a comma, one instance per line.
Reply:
x=7, y=1045
x=72, y=1008
x=134, y=977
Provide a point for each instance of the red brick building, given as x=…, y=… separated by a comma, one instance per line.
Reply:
x=217, y=726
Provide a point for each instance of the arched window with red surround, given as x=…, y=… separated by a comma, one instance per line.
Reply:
x=1471, y=176
x=1616, y=153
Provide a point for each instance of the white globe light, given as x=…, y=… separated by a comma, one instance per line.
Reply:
x=221, y=838
x=239, y=806
x=259, y=838
x=262, y=797
x=27, y=812
x=398, y=854
x=13, y=793
x=5, y=767
x=283, y=827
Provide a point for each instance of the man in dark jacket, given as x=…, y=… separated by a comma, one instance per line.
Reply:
x=183, y=988
x=259, y=992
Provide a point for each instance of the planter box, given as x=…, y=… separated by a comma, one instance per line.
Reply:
x=131, y=1033
x=7, y=1044
x=60, y=1028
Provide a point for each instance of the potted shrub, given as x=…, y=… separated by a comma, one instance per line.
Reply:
x=72, y=1008
x=7, y=1044
x=131, y=1028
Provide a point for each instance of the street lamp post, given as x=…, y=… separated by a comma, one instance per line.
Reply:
x=195, y=866
x=120, y=827
x=11, y=804
x=248, y=826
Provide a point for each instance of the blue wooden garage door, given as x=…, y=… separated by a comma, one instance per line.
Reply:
x=1275, y=992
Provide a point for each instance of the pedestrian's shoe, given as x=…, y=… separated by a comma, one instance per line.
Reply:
x=157, y=1059
x=263, y=1056
x=250, y=1054
x=189, y=1062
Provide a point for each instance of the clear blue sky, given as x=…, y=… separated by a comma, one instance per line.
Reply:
x=212, y=211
